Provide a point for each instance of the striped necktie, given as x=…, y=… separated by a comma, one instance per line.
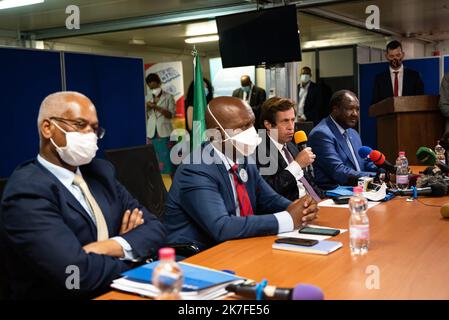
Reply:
x=102, y=228
x=303, y=179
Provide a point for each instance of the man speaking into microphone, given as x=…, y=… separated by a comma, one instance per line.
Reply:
x=282, y=164
x=336, y=144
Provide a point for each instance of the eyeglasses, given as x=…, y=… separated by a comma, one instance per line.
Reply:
x=80, y=125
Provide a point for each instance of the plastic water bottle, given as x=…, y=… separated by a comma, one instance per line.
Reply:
x=440, y=152
x=168, y=276
x=358, y=223
x=402, y=171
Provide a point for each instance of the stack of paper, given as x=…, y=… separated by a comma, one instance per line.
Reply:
x=200, y=283
x=322, y=247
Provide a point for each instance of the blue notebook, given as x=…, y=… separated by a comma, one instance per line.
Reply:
x=196, y=278
x=323, y=247
x=340, y=191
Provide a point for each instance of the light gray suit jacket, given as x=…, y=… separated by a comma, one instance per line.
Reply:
x=444, y=98
x=156, y=121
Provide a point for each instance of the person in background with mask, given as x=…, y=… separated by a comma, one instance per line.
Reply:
x=218, y=194
x=252, y=95
x=64, y=213
x=397, y=81
x=161, y=109
x=313, y=99
x=444, y=100
x=188, y=103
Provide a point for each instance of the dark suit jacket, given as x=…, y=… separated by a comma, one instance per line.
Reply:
x=283, y=182
x=258, y=96
x=334, y=164
x=316, y=106
x=383, y=87
x=44, y=228
x=201, y=206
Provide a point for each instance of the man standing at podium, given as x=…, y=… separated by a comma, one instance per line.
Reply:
x=397, y=81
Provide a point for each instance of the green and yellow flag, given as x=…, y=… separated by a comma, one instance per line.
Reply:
x=199, y=103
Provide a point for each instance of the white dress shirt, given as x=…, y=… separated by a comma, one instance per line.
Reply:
x=294, y=168
x=284, y=219
x=247, y=96
x=302, y=95
x=351, y=148
x=400, y=79
x=66, y=178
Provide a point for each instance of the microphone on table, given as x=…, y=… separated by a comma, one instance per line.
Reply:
x=364, y=152
x=434, y=190
x=379, y=160
x=300, y=138
x=299, y=292
x=428, y=157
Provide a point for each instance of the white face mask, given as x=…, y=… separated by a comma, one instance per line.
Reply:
x=156, y=91
x=305, y=78
x=376, y=195
x=80, y=148
x=245, y=142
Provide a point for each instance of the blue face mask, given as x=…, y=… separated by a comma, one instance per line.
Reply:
x=246, y=89
x=206, y=91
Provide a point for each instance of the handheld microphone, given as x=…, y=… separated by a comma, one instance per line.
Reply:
x=299, y=292
x=300, y=138
x=364, y=152
x=379, y=160
x=434, y=190
x=426, y=156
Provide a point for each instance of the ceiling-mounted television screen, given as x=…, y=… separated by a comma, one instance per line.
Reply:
x=267, y=36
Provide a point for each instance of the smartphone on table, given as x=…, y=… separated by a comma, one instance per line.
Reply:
x=297, y=241
x=319, y=231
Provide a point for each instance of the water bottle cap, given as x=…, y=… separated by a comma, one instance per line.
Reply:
x=166, y=253
x=402, y=153
x=358, y=189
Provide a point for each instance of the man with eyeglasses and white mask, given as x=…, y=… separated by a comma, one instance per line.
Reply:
x=218, y=194
x=68, y=225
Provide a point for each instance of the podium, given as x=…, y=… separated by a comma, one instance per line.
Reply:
x=407, y=123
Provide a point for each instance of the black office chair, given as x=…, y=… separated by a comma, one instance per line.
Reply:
x=137, y=168
x=3, y=284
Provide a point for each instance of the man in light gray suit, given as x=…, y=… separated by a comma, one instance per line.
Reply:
x=444, y=99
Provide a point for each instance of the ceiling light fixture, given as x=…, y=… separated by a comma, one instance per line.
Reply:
x=202, y=39
x=201, y=28
x=139, y=42
x=7, y=4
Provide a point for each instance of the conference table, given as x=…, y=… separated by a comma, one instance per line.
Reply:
x=408, y=256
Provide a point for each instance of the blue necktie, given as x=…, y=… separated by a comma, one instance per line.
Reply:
x=354, y=158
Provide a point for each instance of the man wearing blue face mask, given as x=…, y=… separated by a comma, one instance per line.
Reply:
x=252, y=95
x=218, y=194
x=313, y=99
x=65, y=213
